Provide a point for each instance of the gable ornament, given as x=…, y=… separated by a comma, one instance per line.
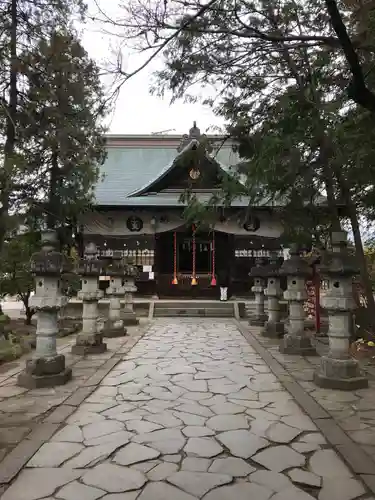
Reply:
x=194, y=174
x=194, y=134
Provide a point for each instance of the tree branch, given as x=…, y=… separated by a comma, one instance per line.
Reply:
x=163, y=45
x=357, y=88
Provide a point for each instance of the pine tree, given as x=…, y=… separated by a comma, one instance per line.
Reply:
x=23, y=24
x=62, y=123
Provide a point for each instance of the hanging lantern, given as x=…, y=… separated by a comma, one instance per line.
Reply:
x=194, y=278
x=175, y=280
x=213, y=279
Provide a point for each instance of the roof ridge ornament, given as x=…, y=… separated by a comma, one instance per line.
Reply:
x=194, y=134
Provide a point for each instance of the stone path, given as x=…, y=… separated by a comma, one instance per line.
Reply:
x=21, y=410
x=30, y=417
x=192, y=411
x=353, y=412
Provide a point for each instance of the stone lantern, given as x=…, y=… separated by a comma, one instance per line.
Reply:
x=128, y=315
x=273, y=327
x=296, y=269
x=89, y=340
x=338, y=370
x=114, y=326
x=257, y=272
x=47, y=368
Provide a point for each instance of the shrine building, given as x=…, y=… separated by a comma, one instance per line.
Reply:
x=138, y=210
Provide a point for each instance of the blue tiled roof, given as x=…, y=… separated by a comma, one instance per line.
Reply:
x=128, y=169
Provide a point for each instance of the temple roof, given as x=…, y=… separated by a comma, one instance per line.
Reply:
x=135, y=162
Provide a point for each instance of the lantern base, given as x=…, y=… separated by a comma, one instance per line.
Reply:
x=297, y=344
x=89, y=344
x=113, y=333
x=114, y=329
x=273, y=330
x=130, y=319
x=258, y=320
x=194, y=282
x=340, y=374
x=174, y=281
x=44, y=372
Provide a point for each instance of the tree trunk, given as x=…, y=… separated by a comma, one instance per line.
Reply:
x=325, y=156
x=29, y=312
x=53, y=198
x=11, y=114
x=365, y=278
x=357, y=89
x=331, y=200
x=360, y=254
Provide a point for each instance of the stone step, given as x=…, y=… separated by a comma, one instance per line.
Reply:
x=193, y=304
x=195, y=312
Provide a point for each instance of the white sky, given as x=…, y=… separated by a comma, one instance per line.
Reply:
x=136, y=110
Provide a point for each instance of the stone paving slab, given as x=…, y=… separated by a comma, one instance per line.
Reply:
x=28, y=418
x=191, y=412
x=346, y=418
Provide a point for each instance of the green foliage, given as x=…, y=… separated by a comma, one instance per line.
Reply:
x=23, y=25
x=281, y=86
x=370, y=258
x=71, y=284
x=62, y=126
x=4, y=320
x=15, y=276
x=52, y=106
x=9, y=350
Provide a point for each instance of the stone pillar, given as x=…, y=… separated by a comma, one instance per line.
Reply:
x=89, y=340
x=259, y=318
x=114, y=326
x=128, y=315
x=338, y=370
x=296, y=341
x=273, y=327
x=46, y=368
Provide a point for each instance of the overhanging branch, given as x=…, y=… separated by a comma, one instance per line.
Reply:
x=357, y=88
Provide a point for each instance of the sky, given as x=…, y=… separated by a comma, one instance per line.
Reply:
x=136, y=111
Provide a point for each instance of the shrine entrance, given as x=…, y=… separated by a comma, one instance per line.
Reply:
x=203, y=254
x=188, y=261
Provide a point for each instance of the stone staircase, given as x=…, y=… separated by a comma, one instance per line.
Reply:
x=250, y=308
x=196, y=309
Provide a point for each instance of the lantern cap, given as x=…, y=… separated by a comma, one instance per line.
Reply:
x=116, y=267
x=296, y=265
x=48, y=261
x=339, y=262
x=273, y=267
x=258, y=270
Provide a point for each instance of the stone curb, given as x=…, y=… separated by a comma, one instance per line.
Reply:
x=12, y=464
x=360, y=462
